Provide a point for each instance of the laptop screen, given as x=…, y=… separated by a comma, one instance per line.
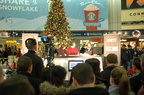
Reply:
x=72, y=63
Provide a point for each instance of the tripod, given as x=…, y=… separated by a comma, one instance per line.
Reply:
x=50, y=51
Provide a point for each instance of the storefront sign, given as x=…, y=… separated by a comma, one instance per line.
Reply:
x=11, y=41
x=132, y=14
x=76, y=34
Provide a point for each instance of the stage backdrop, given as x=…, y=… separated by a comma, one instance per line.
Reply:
x=31, y=14
x=132, y=14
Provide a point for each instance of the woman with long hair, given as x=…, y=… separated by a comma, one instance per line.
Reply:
x=119, y=81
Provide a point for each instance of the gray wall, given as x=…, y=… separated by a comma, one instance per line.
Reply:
x=114, y=13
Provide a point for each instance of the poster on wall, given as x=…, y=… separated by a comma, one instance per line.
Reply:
x=23, y=14
x=32, y=14
x=132, y=14
x=87, y=14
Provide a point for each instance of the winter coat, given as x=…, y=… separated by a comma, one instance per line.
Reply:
x=47, y=89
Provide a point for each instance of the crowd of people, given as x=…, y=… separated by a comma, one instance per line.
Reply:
x=31, y=78
x=7, y=50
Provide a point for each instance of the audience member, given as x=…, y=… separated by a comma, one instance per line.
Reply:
x=136, y=66
x=72, y=50
x=141, y=90
x=90, y=49
x=142, y=60
x=119, y=82
x=111, y=61
x=1, y=75
x=48, y=89
x=132, y=55
x=37, y=62
x=57, y=75
x=54, y=84
x=136, y=80
x=62, y=50
x=24, y=67
x=5, y=54
x=16, y=85
x=84, y=81
x=142, y=51
x=137, y=52
x=45, y=75
x=125, y=56
x=18, y=53
x=95, y=64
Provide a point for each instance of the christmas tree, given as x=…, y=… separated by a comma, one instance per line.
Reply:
x=57, y=25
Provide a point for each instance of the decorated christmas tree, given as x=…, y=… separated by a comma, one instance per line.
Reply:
x=57, y=25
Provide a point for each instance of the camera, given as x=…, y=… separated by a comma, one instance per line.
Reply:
x=50, y=50
x=46, y=39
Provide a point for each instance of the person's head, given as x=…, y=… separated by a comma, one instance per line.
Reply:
x=45, y=74
x=57, y=75
x=31, y=44
x=123, y=46
x=16, y=85
x=119, y=77
x=1, y=75
x=136, y=64
x=24, y=63
x=112, y=58
x=83, y=76
x=19, y=49
x=142, y=60
x=129, y=46
x=63, y=46
x=73, y=44
x=89, y=45
x=95, y=64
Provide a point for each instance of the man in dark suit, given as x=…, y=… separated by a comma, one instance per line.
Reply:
x=37, y=62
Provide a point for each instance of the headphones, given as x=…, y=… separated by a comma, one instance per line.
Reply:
x=33, y=41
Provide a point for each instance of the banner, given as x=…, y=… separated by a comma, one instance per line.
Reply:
x=112, y=45
x=32, y=14
x=132, y=14
x=23, y=14
x=87, y=14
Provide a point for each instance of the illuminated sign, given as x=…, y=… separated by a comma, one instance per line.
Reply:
x=11, y=41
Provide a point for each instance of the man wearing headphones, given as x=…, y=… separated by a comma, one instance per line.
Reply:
x=37, y=62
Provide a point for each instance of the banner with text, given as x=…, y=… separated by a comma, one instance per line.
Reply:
x=23, y=14
x=32, y=14
x=132, y=14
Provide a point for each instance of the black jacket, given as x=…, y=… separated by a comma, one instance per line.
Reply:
x=89, y=91
x=106, y=74
x=136, y=81
x=37, y=63
x=35, y=82
x=125, y=55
